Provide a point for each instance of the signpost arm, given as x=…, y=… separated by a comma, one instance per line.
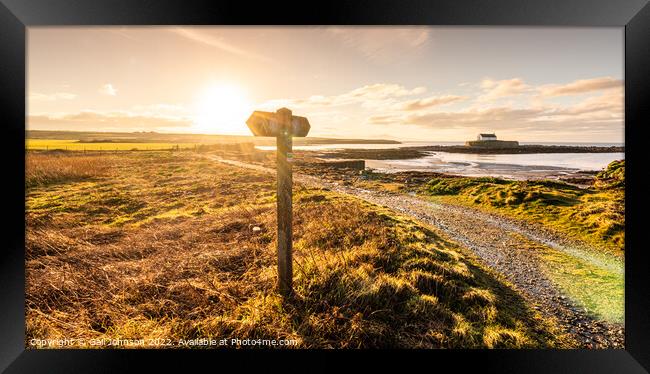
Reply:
x=284, y=213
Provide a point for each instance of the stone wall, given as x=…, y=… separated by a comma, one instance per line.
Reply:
x=492, y=143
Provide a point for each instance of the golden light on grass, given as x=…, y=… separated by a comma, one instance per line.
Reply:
x=222, y=108
x=44, y=169
x=154, y=249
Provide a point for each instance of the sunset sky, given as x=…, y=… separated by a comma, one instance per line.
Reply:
x=408, y=83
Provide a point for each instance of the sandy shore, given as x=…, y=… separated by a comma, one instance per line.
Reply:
x=483, y=169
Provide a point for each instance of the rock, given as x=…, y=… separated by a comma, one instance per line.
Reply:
x=313, y=198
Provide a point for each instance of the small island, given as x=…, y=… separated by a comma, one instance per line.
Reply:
x=490, y=141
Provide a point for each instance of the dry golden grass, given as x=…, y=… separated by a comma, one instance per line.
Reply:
x=54, y=167
x=594, y=215
x=163, y=247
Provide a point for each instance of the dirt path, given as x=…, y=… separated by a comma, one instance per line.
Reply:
x=502, y=244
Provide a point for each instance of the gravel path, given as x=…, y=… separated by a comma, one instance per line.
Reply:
x=499, y=243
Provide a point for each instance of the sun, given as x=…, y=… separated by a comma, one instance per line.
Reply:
x=222, y=109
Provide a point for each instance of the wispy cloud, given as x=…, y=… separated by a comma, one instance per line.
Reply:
x=108, y=89
x=392, y=105
x=123, y=32
x=597, y=113
x=367, y=96
x=51, y=97
x=396, y=105
x=430, y=102
x=115, y=120
x=600, y=112
x=473, y=117
x=382, y=44
x=497, y=89
x=607, y=106
x=580, y=86
x=216, y=42
x=161, y=109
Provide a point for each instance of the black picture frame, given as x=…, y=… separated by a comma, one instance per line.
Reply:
x=17, y=15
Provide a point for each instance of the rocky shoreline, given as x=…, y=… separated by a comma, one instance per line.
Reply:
x=404, y=153
x=525, y=149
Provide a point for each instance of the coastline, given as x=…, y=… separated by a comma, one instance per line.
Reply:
x=527, y=149
x=402, y=153
x=574, y=164
x=484, y=169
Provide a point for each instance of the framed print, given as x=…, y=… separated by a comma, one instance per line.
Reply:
x=200, y=182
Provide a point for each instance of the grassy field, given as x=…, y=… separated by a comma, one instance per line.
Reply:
x=89, y=140
x=169, y=246
x=595, y=283
x=595, y=215
x=76, y=145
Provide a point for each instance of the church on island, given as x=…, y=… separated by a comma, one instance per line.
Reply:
x=490, y=141
x=486, y=137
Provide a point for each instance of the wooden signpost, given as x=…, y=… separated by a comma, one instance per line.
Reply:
x=283, y=125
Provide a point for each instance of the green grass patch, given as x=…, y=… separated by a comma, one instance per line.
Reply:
x=595, y=215
x=593, y=281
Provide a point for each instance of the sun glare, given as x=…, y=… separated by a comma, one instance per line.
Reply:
x=222, y=109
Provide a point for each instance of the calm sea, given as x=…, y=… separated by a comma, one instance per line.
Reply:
x=541, y=164
x=472, y=163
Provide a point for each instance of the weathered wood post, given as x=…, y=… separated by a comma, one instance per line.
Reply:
x=284, y=126
x=284, y=193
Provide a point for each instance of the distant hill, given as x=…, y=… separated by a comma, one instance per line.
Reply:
x=154, y=137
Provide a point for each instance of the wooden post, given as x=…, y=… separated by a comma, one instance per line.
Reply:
x=283, y=125
x=284, y=193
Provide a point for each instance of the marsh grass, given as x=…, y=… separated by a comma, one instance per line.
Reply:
x=163, y=246
x=594, y=283
x=44, y=168
x=595, y=215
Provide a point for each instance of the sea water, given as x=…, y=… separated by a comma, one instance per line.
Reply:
x=517, y=166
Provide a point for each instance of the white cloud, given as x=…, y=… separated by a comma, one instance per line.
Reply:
x=601, y=113
x=429, y=102
x=598, y=113
x=497, y=89
x=462, y=118
x=580, y=86
x=396, y=105
x=601, y=110
x=51, y=97
x=373, y=95
x=608, y=106
x=108, y=89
